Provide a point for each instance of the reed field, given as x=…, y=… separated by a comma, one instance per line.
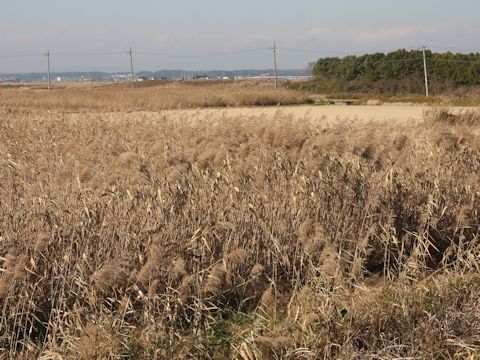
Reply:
x=149, y=95
x=166, y=235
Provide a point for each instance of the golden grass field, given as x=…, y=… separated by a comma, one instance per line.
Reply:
x=158, y=96
x=129, y=231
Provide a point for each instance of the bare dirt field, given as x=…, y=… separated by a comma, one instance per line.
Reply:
x=397, y=113
x=327, y=115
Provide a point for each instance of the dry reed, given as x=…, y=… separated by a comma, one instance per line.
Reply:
x=123, y=236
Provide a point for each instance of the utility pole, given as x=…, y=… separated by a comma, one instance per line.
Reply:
x=131, y=65
x=425, y=70
x=48, y=66
x=275, y=63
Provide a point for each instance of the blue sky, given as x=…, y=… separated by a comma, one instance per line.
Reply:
x=190, y=27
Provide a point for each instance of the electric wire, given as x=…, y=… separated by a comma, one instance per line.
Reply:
x=200, y=54
x=18, y=56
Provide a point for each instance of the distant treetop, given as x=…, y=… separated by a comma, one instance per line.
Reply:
x=458, y=69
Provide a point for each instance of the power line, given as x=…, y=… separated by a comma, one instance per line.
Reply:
x=453, y=48
x=226, y=53
x=21, y=56
x=201, y=54
x=341, y=61
x=87, y=53
x=454, y=61
x=313, y=51
x=369, y=62
x=169, y=54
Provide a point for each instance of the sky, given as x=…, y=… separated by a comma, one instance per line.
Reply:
x=204, y=35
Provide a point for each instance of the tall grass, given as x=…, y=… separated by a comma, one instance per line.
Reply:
x=179, y=238
x=159, y=96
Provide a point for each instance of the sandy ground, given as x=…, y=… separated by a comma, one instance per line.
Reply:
x=397, y=113
x=327, y=114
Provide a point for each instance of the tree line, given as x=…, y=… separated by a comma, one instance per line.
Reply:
x=397, y=71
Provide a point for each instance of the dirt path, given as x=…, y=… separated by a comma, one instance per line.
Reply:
x=398, y=113
x=329, y=114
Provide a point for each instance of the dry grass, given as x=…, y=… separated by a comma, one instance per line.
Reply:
x=446, y=116
x=242, y=238
x=159, y=96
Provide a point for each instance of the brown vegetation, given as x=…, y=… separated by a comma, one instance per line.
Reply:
x=459, y=98
x=239, y=238
x=159, y=96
